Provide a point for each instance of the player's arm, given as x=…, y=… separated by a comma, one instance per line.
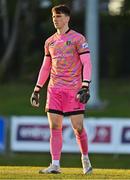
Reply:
x=42, y=78
x=43, y=73
x=83, y=94
x=87, y=68
x=84, y=54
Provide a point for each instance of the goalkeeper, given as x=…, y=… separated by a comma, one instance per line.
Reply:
x=67, y=63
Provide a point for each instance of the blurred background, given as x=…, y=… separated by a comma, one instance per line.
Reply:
x=24, y=27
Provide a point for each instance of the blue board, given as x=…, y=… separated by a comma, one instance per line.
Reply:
x=2, y=134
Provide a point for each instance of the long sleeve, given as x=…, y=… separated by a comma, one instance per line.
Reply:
x=87, y=66
x=44, y=71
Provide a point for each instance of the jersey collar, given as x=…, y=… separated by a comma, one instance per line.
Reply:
x=67, y=31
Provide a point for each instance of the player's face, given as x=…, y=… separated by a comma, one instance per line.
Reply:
x=60, y=20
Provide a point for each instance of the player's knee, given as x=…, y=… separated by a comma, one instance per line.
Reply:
x=78, y=129
x=55, y=126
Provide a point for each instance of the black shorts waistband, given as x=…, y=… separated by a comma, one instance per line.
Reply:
x=65, y=113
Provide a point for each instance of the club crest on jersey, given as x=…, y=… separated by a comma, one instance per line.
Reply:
x=85, y=45
x=68, y=42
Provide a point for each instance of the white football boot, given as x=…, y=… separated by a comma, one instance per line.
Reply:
x=52, y=169
x=87, y=168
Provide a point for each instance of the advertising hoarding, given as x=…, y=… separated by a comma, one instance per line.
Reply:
x=105, y=135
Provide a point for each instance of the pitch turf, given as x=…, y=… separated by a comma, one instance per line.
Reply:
x=29, y=172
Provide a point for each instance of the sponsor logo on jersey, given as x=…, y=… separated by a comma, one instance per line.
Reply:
x=85, y=45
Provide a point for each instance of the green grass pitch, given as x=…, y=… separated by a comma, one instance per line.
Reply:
x=31, y=172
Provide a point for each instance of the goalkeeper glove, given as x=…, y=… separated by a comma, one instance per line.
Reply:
x=83, y=94
x=34, y=100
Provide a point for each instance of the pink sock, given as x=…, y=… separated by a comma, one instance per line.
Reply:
x=55, y=143
x=82, y=141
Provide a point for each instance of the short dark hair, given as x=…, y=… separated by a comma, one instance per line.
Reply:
x=62, y=8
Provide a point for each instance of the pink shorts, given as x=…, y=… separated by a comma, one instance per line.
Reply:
x=63, y=101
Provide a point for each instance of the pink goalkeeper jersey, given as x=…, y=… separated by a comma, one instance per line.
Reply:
x=65, y=51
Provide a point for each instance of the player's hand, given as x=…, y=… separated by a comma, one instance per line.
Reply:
x=34, y=100
x=83, y=94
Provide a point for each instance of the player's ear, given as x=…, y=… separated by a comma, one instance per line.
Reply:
x=68, y=18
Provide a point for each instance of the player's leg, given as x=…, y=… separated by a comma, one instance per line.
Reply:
x=54, y=113
x=82, y=140
x=80, y=132
x=55, y=122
